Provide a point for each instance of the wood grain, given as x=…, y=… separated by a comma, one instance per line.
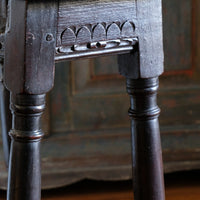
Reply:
x=100, y=98
x=25, y=45
x=76, y=14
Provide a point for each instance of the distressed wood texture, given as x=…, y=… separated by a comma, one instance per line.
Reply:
x=146, y=148
x=34, y=69
x=87, y=18
x=73, y=29
x=73, y=149
x=24, y=173
x=118, y=20
x=99, y=27
x=28, y=75
x=95, y=86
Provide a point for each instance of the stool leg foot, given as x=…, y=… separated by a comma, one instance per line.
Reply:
x=146, y=149
x=24, y=178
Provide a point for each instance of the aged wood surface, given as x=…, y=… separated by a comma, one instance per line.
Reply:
x=108, y=12
x=145, y=17
x=90, y=33
x=34, y=69
x=28, y=75
x=94, y=86
x=147, y=163
x=24, y=172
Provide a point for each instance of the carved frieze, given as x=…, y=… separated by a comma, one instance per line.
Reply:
x=97, y=32
x=98, y=37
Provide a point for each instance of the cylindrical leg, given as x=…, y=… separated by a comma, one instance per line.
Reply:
x=24, y=179
x=146, y=148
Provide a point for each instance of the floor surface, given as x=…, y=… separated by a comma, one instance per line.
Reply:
x=179, y=186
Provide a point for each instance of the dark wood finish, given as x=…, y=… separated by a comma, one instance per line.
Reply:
x=111, y=27
x=24, y=180
x=146, y=148
x=144, y=17
x=142, y=84
x=34, y=69
x=78, y=36
x=31, y=33
x=96, y=88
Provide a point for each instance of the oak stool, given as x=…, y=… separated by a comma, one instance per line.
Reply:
x=37, y=33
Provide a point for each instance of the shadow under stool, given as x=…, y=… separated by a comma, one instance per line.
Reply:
x=39, y=33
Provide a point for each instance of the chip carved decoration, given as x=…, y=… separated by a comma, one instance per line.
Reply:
x=94, y=37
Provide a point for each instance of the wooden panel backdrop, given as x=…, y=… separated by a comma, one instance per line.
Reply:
x=86, y=123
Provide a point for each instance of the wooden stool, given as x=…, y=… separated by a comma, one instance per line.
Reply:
x=38, y=33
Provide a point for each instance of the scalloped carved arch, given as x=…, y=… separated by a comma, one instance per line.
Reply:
x=113, y=31
x=68, y=37
x=127, y=29
x=99, y=33
x=83, y=35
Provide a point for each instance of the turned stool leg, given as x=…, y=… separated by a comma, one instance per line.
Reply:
x=142, y=84
x=24, y=181
x=146, y=148
x=28, y=75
